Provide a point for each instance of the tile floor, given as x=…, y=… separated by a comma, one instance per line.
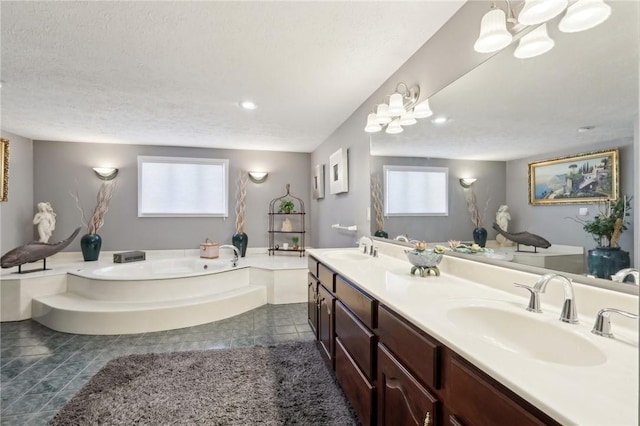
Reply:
x=42, y=369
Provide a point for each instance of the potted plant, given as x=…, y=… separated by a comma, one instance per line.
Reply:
x=605, y=228
x=286, y=206
x=295, y=240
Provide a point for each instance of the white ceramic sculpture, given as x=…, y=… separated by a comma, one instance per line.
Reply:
x=502, y=219
x=286, y=226
x=45, y=220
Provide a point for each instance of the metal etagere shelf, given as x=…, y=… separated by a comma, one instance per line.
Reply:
x=282, y=241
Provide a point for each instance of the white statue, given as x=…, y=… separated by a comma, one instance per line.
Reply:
x=502, y=219
x=45, y=219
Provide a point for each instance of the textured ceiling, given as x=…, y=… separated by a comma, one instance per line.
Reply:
x=510, y=108
x=172, y=73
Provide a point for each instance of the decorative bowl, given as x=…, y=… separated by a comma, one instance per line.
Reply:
x=424, y=259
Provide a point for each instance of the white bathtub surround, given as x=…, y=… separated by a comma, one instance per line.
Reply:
x=107, y=298
x=578, y=378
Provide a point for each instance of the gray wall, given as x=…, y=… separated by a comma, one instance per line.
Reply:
x=434, y=66
x=554, y=221
x=16, y=214
x=490, y=190
x=61, y=166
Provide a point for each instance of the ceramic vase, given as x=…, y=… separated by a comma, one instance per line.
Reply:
x=90, y=244
x=380, y=233
x=240, y=240
x=480, y=236
x=606, y=261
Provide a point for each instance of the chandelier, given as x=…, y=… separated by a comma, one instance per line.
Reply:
x=402, y=110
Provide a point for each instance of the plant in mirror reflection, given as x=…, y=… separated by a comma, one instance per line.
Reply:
x=477, y=218
x=610, y=222
x=376, y=200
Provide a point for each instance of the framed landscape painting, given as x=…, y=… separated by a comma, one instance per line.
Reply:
x=584, y=178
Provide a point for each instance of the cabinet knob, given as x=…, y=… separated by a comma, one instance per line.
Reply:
x=427, y=419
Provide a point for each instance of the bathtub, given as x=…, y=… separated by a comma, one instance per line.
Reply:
x=157, y=280
x=156, y=269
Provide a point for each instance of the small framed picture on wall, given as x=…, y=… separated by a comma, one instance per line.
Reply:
x=339, y=172
x=317, y=181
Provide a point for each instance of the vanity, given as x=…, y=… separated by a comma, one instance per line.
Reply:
x=461, y=349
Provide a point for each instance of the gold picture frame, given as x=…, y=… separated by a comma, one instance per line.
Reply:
x=4, y=172
x=583, y=178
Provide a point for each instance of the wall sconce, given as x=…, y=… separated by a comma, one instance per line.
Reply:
x=258, y=177
x=401, y=110
x=467, y=182
x=106, y=173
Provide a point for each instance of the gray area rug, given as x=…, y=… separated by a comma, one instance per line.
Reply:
x=287, y=384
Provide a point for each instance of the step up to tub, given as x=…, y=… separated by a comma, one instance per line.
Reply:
x=73, y=313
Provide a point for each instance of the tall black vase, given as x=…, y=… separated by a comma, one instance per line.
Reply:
x=240, y=240
x=606, y=261
x=90, y=244
x=480, y=236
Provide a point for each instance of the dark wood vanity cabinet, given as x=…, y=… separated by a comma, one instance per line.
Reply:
x=312, y=295
x=402, y=399
x=395, y=374
x=326, y=303
x=477, y=399
x=312, y=303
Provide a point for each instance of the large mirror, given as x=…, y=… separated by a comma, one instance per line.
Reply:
x=581, y=96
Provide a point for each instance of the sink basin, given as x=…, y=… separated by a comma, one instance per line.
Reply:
x=347, y=255
x=526, y=335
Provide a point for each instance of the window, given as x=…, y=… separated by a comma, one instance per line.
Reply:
x=178, y=186
x=416, y=191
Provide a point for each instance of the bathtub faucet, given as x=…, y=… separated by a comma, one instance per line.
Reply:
x=236, y=253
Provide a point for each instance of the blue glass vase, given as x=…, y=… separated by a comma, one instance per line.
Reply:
x=606, y=261
x=240, y=240
x=480, y=236
x=380, y=233
x=90, y=244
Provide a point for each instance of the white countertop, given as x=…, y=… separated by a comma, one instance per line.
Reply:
x=602, y=394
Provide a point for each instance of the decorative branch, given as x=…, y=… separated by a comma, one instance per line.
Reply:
x=376, y=197
x=241, y=194
x=472, y=205
x=105, y=193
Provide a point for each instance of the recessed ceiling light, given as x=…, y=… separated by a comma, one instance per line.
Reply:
x=585, y=129
x=440, y=120
x=248, y=105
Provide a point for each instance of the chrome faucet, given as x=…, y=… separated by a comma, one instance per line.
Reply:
x=622, y=275
x=363, y=242
x=602, y=326
x=568, y=313
x=236, y=253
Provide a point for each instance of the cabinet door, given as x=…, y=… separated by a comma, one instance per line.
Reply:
x=402, y=400
x=477, y=400
x=326, y=322
x=312, y=304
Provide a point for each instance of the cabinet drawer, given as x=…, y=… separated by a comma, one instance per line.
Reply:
x=313, y=265
x=356, y=387
x=358, y=340
x=326, y=277
x=361, y=304
x=420, y=354
x=477, y=400
x=402, y=400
